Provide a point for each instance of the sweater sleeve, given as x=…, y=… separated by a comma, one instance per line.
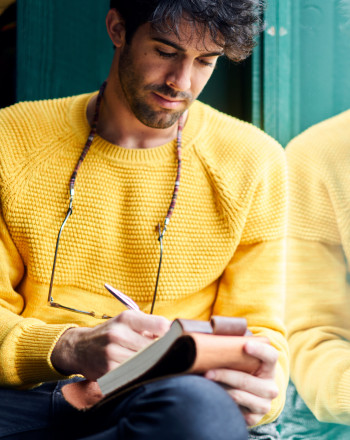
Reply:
x=26, y=344
x=318, y=293
x=318, y=317
x=253, y=283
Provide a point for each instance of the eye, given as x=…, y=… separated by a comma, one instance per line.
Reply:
x=163, y=54
x=205, y=63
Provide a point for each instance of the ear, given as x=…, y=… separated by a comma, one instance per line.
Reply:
x=115, y=27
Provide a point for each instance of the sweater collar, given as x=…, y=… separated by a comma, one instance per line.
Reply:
x=80, y=126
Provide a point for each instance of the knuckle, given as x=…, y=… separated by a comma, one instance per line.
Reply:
x=124, y=317
x=265, y=407
x=117, y=335
x=274, y=353
x=233, y=394
x=110, y=335
x=245, y=382
x=252, y=419
x=275, y=358
x=109, y=352
x=164, y=325
x=219, y=375
x=274, y=391
x=111, y=365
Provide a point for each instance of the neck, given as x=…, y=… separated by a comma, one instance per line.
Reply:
x=118, y=125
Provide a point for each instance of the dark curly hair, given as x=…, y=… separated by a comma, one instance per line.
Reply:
x=233, y=24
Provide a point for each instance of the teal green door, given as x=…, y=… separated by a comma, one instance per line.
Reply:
x=301, y=69
x=299, y=74
x=62, y=47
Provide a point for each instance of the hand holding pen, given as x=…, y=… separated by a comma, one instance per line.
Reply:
x=93, y=351
x=130, y=304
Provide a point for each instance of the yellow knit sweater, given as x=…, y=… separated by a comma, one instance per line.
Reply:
x=223, y=251
x=318, y=305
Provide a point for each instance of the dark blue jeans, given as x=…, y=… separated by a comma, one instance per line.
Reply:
x=183, y=408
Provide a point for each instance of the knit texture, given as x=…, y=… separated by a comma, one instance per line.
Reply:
x=318, y=291
x=223, y=251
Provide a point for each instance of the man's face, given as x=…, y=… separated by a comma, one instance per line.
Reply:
x=161, y=74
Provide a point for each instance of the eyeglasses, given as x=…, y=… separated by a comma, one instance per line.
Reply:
x=161, y=231
x=53, y=303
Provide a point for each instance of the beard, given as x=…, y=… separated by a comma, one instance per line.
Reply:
x=136, y=93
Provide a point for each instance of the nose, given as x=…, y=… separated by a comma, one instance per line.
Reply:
x=180, y=77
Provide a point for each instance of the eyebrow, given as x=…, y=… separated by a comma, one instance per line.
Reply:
x=181, y=49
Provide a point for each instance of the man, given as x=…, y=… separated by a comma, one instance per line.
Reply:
x=318, y=290
x=223, y=235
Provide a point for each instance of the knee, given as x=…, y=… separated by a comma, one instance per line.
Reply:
x=194, y=390
x=203, y=409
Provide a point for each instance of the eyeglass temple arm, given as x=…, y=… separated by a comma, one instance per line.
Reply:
x=69, y=212
x=160, y=239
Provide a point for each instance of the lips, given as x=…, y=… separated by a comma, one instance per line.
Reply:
x=167, y=102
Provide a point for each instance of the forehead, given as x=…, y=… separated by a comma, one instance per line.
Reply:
x=187, y=35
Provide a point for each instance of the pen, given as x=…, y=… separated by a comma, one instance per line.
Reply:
x=128, y=302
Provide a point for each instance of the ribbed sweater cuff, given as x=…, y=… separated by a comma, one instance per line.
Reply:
x=344, y=397
x=34, y=349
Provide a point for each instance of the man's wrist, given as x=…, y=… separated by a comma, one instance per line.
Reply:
x=63, y=356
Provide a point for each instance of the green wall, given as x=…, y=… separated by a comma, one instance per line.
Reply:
x=62, y=47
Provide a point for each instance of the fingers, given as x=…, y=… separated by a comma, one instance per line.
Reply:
x=266, y=353
x=250, y=418
x=252, y=394
x=120, y=338
x=117, y=354
x=252, y=403
x=104, y=349
x=264, y=388
x=123, y=336
x=140, y=322
x=93, y=352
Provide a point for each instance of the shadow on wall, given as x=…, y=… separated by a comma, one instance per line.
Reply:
x=7, y=54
